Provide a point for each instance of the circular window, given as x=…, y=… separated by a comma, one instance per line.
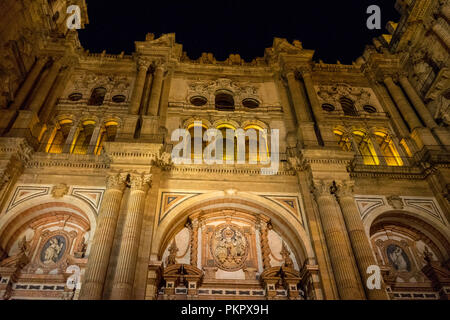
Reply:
x=369, y=109
x=250, y=103
x=198, y=101
x=119, y=98
x=75, y=96
x=328, y=107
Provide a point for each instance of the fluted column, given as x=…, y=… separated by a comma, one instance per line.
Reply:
x=341, y=258
x=29, y=83
x=136, y=99
x=403, y=104
x=126, y=263
x=155, y=95
x=358, y=238
x=309, y=85
x=442, y=32
x=98, y=259
x=45, y=86
x=417, y=102
x=67, y=147
x=94, y=138
x=298, y=99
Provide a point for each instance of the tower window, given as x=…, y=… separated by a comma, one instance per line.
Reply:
x=250, y=103
x=198, y=101
x=97, y=96
x=348, y=106
x=224, y=101
x=369, y=109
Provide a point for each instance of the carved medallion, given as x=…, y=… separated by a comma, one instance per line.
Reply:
x=229, y=247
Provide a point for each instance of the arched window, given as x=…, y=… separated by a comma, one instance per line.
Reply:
x=348, y=106
x=83, y=139
x=224, y=100
x=343, y=140
x=366, y=148
x=388, y=149
x=60, y=136
x=261, y=152
x=97, y=96
x=108, y=134
x=228, y=143
x=198, y=139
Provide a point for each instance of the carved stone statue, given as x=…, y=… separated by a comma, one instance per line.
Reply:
x=172, y=258
x=53, y=250
x=288, y=263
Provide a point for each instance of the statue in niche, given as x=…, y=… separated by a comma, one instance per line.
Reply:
x=53, y=250
x=398, y=258
x=172, y=258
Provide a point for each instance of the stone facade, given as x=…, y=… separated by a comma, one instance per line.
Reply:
x=92, y=206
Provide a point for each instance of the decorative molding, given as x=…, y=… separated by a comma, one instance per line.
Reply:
x=367, y=204
x=170, y=200
x=25, y=193
x=91, y=196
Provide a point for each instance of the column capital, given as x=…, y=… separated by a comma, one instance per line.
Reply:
x=140, y=182
x=116, y=181
x=321, y=188
x=143, y=64
x=345, y=188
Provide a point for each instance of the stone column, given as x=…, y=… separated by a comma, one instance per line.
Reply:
x=28, y=84
x=403, y=104
x=297, y=98
x=417, y=102
x=341, y=258
x=139, y=84
x=128, y=252
x=45, y=86
x=423, y=111
x=442, y=32
x=194, y=243
x=358, y=238
x=98, y=259
x=265, y=249
x=155, y=95
x=303, y=116
x=309, y=85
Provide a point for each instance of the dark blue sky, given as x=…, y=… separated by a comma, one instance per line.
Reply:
x=336, y=29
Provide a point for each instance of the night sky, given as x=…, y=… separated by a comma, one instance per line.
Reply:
x=336, y=29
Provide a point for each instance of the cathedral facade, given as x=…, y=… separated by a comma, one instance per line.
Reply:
x=93, y=204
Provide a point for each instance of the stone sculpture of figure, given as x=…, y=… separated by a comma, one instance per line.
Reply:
x=398, y=260
x=172, y=258
x=23, y=245
x=53, y=251
x=288, y=263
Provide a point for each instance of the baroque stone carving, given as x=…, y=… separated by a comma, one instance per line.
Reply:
x=333, y=94
x=140, y=182
x=116, y=181
x=60, y=190
x=229, y=247
x=395, y=202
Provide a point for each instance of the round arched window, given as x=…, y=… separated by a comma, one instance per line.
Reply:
x=224, y=100
x=97, y=96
